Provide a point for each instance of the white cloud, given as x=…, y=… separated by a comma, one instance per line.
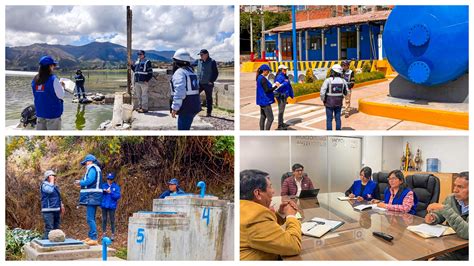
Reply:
x=154, y=27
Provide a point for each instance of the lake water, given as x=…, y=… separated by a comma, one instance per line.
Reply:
x=76, y=116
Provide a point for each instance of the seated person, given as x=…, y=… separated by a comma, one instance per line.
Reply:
x=455, y=211
x=173, y=189
x=365, y=188
x=261, y=235
x=293, y=185
x=397, y=196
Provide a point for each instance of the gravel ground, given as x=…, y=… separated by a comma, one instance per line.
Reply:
x=220, y=119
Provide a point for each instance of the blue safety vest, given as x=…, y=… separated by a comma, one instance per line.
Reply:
x=47, y=104
x=92, y=194
x=369, y=189
x=399, y=200
x=264, y=99
x=50, y=202
x=141, y=72
x=286, y=85
x=191, y=103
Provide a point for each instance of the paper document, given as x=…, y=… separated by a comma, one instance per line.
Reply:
x=314, y=229
x=345, y=198
x=430, y=230
x=363, y=207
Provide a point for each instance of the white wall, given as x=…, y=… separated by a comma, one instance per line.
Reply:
x=372, y=153
x=452, y=152
x=392, y=151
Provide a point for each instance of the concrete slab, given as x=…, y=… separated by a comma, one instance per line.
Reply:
x=162, y=120
x=67, y=241
x=41, y=248
x=99, y=259
x=77, y=254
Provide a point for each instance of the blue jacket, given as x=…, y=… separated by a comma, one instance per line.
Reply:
x=80, y=80
x=185, y=91
x=91, y=192
x=109, y=200
x=368, y=190
x=50, y=197
x=285, y=87
x=264, y=98
x=47, y=104
x=399, y=200
x=142, y=71
x=169, y=193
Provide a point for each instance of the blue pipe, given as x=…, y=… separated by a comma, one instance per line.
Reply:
x=295, y=61
x=105, y=242
x=202, y=185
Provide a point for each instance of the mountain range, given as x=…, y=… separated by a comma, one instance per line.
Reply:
x=95, y=55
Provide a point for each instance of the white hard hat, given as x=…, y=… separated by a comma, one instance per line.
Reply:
x=182, y=55
x=282, y=67
x=337, y=68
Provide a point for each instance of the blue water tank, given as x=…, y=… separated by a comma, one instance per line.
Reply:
x=428, y=45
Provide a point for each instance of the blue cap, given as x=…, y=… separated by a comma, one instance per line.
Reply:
x=173, y=181
x=89, y=157
x=47, y=60
x=265, y=67
x=110, y=176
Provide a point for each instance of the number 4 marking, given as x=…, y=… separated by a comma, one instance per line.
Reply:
x=206, y=213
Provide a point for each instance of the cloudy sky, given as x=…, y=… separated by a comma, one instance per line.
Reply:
x=154, y=27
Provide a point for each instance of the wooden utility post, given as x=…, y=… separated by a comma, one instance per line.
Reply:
x=129, y=53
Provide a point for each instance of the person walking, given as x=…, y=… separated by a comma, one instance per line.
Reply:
x=332, y=92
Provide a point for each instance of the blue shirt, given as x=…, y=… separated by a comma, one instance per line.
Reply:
x=464, y=207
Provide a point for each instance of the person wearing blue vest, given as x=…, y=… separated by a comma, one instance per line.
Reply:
x=185, y=101
x=332, y=93
x=52, y=206
x=265, y=97
x=143, y=72
x=364, y=188
x=48, y=93
x=282, y=93
x=91, y=194
x=80, y=80
x=348, y=76
x=397, y=196
x=111, y=194
x=173, y=189
x=207, y=73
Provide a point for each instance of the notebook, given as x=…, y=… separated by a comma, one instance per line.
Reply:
x=345, y=198
x=428, y=231
x=318, y=227
x=363, y=207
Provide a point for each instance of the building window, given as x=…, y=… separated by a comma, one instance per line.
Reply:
x=314, y=42
x=348, y=40
x=270, y=46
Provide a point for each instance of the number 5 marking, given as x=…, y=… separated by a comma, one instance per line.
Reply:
x=140, y=235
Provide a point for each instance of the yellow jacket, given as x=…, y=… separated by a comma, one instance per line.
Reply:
x=262, y=238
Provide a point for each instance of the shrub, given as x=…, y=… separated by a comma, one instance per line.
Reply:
x=367, y=76
x=15, y=240
x=366, y=67
x=309, y=76
x=307, y=88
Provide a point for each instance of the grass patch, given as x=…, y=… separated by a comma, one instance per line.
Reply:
x=121, y=253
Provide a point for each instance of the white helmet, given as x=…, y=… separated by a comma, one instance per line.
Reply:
x=337, y=68
x=182, y=55
x=282, y=67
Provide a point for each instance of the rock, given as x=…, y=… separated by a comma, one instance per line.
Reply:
x=56, y=236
